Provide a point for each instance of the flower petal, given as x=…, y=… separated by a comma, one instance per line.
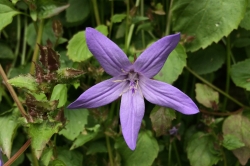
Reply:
x=167, y=95
x=110, y=56
x=100, y=94
x=131, y=115
x=150, y=62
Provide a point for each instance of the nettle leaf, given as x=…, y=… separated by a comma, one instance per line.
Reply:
x=245, y=23
x=173, y=66
x=10, y=123
x=60, y=93
x=206, y=21
x=200, y=150
x=27, y=82
x=238, y=126
x=7, y=12
x=86, y=136
x=77, y=11
x=46, y=156
x=161, y=119
x=206, y=95
x=232, y=142
x=40, y=134
x=116, y=18
x=6, y=52
x=76, y=121
x=241, y=76
x=77, y=48
x=145, y=153
x=69, y=157
x=208, y=60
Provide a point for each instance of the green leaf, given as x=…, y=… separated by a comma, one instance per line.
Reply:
x=138, y=19
x=173, y=66
x=59, y=93
x=27, y=82
x=245, y=23
x=10, y=123
x=76, y=121
x=232, y=142
x=200, y=150
x=6, y=52
x=72, y=12
x=57, y=162
x=208, y=60
x=145, y=153
x=161, y=119
x=116, y=18
x=77, y=48
x=241, y=76
x=103, y=29
x=206, y=95
x=238, y=126
x=40, y=134
x=70, y=157
x=206, y=21
x=46, y=156
x=97, y=147
x=86, y=136
x=7, y=12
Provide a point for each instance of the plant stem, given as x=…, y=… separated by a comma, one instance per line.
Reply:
x=142, y=31
x=18, y=153
x=34, y=159
x=176, y=153
x=18, y=39
x=12, y=92
x=24, y=41
x=109, y=151
x=36, y=51
x=228, y=71
x=112, y=13
x=127, y=27
x=216, y=88
x=169, y=18
x=97, y=17
x=169, y=153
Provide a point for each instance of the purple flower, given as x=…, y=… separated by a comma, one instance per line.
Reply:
x=173, y=131
x=132, y=82
x=1, y=160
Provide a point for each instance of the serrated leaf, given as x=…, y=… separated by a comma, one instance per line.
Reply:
x=238, y=126
x=10, y=123
x=77, y=48
x=76, y=121
x=206, y=21
x=241, y=76
x=77, y=11
x=28, y=82
x=173, y=66
x=200, y=150
x=40, y=134
x=7, y=12
x=208, y=60
x=60, y=93
x=116, y=18
x=85, y=137
x=232, y=142
x=145, y=153
x=161, y=119
x=206, y=95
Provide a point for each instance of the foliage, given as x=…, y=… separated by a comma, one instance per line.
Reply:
x=45, y=56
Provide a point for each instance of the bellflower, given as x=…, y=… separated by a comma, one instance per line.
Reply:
x=132, y=82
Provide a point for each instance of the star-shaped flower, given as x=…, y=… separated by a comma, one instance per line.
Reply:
x=132, y=82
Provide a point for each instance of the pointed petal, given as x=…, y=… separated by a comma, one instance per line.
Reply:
x=167, y=95
x=109, y=55
x=100, y=94
x=131, y=115
x=150, y=62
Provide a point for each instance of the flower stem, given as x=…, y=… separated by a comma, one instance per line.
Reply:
x=127, y=27
x=216, y=88
x=168, y=26
x=12, y=92
x=36, y=51
x=112, y=13
x=24, y=43
x=18, y=153
x=142, y=31
x=18, y=39
x=176, y=153
x=228, y=71
x=169, y=153
x=97, y=17
x=109, y=151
